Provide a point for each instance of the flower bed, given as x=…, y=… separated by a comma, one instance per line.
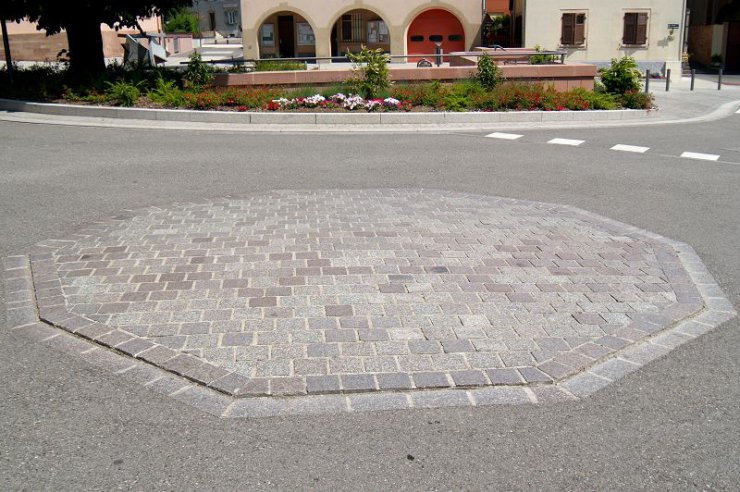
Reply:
x=467, y=95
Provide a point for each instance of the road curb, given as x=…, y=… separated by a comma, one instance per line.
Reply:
x=283, y=118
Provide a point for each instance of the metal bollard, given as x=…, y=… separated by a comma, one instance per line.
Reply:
x=647, y=80
x=668, y=80
x=693, y=76
x=438, y=54
x=719, y=80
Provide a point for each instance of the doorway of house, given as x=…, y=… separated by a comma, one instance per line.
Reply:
x=732, y=58
x=212, y=21
x=286, y=36
x=432, y=27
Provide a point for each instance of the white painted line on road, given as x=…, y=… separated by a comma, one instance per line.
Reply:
x=504, y=136
x=631, y=148
x=701, y=157
x=566, y=141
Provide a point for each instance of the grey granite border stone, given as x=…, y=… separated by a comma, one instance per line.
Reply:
x=341, y=119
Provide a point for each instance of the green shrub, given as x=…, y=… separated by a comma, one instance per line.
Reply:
x=95, y=98
x=489, y=75
x=334, y=89
x=370, y=72
x=622, y=76
x=167, y=93
x=597, y=100
x=299, y=92
x=637, y=100
x=198, y=72
x=539, y=58
x=278, y=65
x=181, y=20
x=123, y=93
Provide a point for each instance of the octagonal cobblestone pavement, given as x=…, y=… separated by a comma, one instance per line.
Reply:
x=294, y=293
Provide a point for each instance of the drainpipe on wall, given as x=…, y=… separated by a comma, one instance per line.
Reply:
x=683, y=39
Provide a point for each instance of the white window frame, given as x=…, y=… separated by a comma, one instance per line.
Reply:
x=231, y=17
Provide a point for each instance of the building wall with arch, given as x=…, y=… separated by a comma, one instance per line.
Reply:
x=323, y=15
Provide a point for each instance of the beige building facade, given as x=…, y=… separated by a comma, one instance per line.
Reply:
x=296, y=28
x=595, y=31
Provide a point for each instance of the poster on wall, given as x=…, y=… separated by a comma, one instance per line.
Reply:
x=305, y=34
x=377, y=32
x=268, y=35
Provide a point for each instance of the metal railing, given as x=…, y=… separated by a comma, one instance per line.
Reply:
x=438, y=58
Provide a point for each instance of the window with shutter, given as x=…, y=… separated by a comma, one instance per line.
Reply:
x=635, y=28
x=580, y=29
x=573, y=29
x=642, y=20
x=567, y=36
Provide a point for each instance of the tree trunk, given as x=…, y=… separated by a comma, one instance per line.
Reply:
x=86, y=58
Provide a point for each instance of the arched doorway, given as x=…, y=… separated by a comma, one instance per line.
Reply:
x=286, y=35
x=432, y=27
x=357, y=28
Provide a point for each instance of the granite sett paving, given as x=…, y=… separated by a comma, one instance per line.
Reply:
x=332, y=301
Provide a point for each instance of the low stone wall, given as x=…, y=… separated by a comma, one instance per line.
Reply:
x=562, y=77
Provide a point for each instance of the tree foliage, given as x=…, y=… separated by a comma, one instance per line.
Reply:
x=181, y=20
x=622, y=76
x=82, y=18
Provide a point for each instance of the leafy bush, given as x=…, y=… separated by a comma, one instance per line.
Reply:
x=181, y=20
x=95, y=98
x=167, y=93
x=540, y=57
x=370, y=72
x=637, y=100
x=327, y=92
x=622, y=76
x=198, y=72
x=278, y=65
x=489, y=75
x=123, y=93
x=299, y=92
x=203, y=100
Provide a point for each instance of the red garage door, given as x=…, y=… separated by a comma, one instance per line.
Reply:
x=435, y=26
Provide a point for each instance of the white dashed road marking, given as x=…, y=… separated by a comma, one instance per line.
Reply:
x=701, y=157
x=566, y=141
x=504, y=136
x=631, y=148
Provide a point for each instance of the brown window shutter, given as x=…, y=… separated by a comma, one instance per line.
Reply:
x=630, y=29
x=567, y=36
x=580, y=29
x=641, y=34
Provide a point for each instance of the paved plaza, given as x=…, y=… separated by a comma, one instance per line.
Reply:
x=388, y=292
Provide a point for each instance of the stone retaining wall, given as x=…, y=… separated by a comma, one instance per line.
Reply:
x=563, y=77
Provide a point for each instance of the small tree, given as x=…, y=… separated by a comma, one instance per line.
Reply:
x=489, y=75
x=181, y=21
x=370, y=75
x=198, y=73
x=622, y=76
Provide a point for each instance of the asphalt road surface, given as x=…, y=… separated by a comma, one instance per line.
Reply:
x=671, y=425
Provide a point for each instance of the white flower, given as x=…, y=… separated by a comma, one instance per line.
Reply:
x=314, y=100
x=391, y=102
x=283, y=102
